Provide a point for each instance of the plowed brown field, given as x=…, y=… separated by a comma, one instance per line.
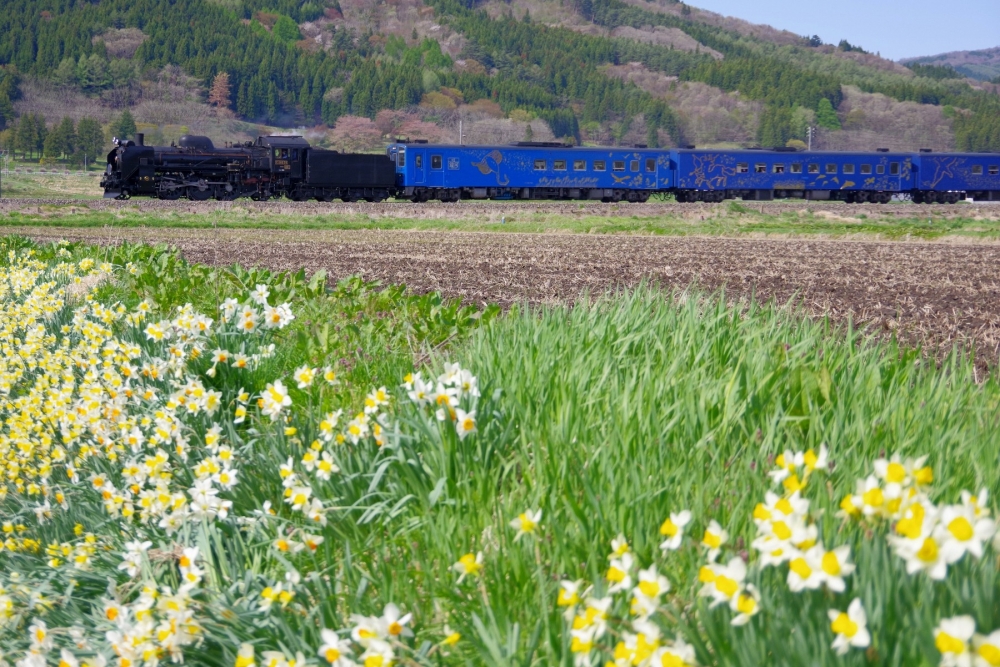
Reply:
x=934, y=294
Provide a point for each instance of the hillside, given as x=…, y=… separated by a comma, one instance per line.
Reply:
x=983, y=64
x=351, y=73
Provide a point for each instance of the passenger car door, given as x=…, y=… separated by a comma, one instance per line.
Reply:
x=419, y=166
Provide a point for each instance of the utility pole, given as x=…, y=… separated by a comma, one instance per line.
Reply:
x=810, y=134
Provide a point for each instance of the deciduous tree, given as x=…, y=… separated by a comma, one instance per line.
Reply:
x=219, y=95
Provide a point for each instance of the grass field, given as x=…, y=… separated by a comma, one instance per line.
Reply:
x=52, y=185
x=175, y=487
x=899, y=221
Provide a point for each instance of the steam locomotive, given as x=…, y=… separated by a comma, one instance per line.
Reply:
x=289, y=167
x=273, y=166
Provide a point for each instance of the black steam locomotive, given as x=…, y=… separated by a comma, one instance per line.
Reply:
x=272, y=166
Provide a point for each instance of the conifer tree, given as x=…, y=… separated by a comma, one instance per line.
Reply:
x=124, y=128
x=26, y=136
x=50, y=148
x=67, y=136
x=65, y=74
x=826, y=116
x=89, y=140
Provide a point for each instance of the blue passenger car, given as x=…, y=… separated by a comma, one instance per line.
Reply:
x=714, y=175
x=529, y=171
x=944, y=178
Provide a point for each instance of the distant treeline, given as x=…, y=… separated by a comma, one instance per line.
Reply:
x=552, y=73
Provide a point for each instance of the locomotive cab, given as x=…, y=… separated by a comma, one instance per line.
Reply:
x=287, y=155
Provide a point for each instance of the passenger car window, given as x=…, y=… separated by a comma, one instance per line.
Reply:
x=894, y=168
x=435, y=162
x=600, y=165
x=634, y=165
x=401, y=159
x=994, y=170
x=650, y=165
x=618, y=165
x=295, y=153
x=559, y=165
x=418, y=162
x=880, y=169
x=814, y=169
x=742, y=168
x=539, y=165
x=779, y=168
x=760, y=168
x=579, y=165
x=848, y=168
x=797, y=168
x=866, y=169
x=977, y=170
x=831, y=168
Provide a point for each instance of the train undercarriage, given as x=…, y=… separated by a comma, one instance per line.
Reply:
x=419, y=194
x=344, y=194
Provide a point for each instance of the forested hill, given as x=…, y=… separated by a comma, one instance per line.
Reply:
x=983, y=64
x=657, y=72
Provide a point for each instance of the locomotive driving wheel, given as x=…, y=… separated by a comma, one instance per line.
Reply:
x=197, y=194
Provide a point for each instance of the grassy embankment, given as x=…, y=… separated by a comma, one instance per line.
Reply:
x=606, y=417
x=896, y=221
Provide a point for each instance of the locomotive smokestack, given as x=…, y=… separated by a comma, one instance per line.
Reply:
x=138, y=138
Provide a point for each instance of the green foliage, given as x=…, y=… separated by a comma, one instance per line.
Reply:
x=937, y=72
x=844, y=45
x=92, y=72
x=89, y=140
x=124, y=127
x=30, y=133
x=826, y=115
x=979, y=133
x=776, y=126
x=61, y=140
x=286, y=29
x=298, y=10
x=9, y=92
x=425, y=54
x=375, y=86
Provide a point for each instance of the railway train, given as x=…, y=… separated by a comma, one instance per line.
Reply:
x=287, y=166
